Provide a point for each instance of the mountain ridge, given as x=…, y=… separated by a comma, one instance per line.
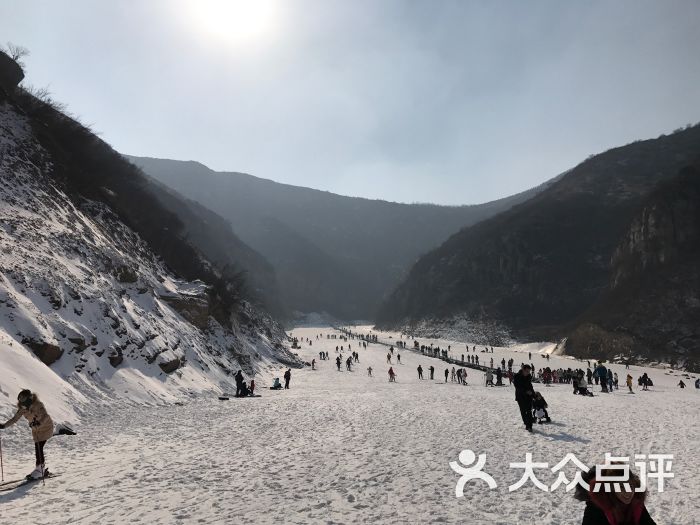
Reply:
x=362, y=246
x=537, y=266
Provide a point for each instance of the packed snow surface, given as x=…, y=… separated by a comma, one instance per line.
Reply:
x=342, y=447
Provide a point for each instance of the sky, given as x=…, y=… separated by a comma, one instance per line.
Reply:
x=451, y=102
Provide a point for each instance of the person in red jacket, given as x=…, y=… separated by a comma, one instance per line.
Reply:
x=613, y=508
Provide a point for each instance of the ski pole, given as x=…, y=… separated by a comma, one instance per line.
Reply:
x=2, y=468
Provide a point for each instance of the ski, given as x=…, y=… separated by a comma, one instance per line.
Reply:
x=12, y=485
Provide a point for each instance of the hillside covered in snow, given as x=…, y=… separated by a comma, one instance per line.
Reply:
x=101, y=295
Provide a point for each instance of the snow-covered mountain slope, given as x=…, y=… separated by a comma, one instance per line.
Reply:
x=82, y=293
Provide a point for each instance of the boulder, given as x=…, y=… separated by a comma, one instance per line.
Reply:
x=46, y=352
x=116, y=359
x=170, y=366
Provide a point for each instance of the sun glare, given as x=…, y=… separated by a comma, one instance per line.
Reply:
x=234, y=21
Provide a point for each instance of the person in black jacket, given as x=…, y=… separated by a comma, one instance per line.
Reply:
x=523, y=395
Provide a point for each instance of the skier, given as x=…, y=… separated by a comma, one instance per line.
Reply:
x=33, y=410
x=523, y=395
x=392, y=375
x=287, y=378
x=337, y=362
x=420, y=372
x=529, y=356
x=447, y=374
x=681, y=384
x=645, y=381
x=369, y=371
x=398, y=358
x=629, y=383
x=432, y=372
x=252, y=387
x=388, y=358
x=313, y=364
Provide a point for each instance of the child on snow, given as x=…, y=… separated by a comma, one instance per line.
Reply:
x=33, y=410
x=539, y=406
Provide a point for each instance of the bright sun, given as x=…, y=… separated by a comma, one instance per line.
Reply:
x=235, y=21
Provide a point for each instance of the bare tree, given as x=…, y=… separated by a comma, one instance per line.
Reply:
x=17, y=53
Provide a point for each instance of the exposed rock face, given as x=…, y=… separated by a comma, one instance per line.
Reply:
x=11, y=74
x=194, y=309
x=652, y=309
x=666, y=229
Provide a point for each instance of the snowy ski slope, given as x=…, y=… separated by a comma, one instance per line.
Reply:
x=341, y=447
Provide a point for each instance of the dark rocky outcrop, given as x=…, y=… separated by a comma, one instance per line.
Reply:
x=46, y=352
x=116, y=359
x=11, y=75
x=170, y=366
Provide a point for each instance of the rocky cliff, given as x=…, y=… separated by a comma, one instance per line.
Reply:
x=652, y=308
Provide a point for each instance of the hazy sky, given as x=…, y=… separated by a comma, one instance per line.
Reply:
x=439, y=101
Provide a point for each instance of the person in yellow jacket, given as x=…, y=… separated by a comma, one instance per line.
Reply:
x=33, y=410
x=629, y=383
